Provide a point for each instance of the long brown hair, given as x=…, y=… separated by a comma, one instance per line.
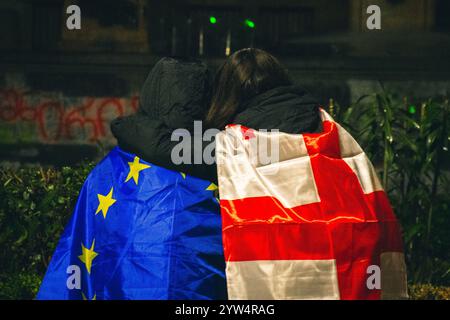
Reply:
x=245, y=74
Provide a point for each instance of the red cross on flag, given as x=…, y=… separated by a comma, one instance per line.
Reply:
x=314, y=224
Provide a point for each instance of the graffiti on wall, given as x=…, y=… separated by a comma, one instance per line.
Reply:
x=54, y=118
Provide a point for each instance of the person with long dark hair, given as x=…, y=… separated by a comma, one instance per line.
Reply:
x=313, y=222
x=252, y=88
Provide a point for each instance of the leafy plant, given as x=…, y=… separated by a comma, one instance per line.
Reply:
x=19, y=286
x=35, y=204
x=409, y=147
x=429, y=292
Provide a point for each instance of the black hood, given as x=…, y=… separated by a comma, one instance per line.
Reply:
x=289, y=109
x=176, y=92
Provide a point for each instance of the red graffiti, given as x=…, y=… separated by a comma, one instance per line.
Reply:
x=57, y=119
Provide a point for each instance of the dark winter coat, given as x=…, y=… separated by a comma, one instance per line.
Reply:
x=174, y=95
x=177, y=92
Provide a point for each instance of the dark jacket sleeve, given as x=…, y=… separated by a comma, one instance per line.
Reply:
x=150, y=140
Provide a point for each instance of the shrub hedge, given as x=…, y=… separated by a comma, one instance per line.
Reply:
x=35, y=205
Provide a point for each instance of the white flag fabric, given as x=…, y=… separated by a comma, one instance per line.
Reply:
x=314, y=224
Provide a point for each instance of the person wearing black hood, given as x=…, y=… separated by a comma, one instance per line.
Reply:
x=140, y=230
x=176, y=93
x=251, y=88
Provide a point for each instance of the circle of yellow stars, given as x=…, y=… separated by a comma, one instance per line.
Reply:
x=106, y=201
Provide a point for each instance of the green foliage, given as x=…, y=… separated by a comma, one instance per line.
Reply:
x=428, y=292
x=35, y=204
x=409, y=147
x=19, y=286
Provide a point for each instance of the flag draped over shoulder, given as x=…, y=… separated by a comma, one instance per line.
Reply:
x=139, y=231
x=314, y=225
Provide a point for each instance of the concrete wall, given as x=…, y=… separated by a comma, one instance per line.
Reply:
x=68, y=100
x=29, y=116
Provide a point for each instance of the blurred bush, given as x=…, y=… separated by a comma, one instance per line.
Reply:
x=19, y=286
x=429, y=292
x=35, y=205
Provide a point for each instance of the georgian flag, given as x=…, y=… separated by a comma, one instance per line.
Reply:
x=314, y=225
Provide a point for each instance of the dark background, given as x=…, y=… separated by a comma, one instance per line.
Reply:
x=59, y=88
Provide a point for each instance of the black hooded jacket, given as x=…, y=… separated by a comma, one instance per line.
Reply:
x=174, y=95
x=177, y=92
x=289, y=109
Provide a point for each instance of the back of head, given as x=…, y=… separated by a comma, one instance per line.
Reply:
x=245, y=74
x=177, y=91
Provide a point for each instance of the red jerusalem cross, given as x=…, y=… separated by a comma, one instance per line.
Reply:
x=347, y=225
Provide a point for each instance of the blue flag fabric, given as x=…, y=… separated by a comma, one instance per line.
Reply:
x=139, y=231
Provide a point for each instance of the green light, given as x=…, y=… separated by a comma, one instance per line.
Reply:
x=249, y=23
x=212, y=20
x=412, y=109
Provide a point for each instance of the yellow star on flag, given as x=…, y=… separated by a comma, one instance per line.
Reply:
x=183, y=175
x=135, y=168
x=93, y=298
x=104, y=202
x=88, y=255
x=212, y=187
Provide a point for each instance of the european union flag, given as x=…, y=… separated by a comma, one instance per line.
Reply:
x=139, y=231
